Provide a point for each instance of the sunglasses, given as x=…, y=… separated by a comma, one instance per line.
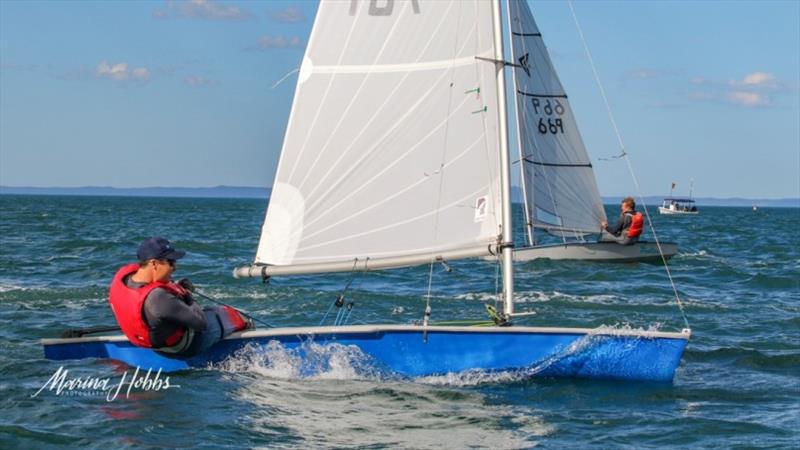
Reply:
x=171, y=262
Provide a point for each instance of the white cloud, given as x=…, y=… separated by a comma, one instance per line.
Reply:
x=759, y=79
x=748, y=98
x=201, y=9
x=291, y=14
x=121, y=72
x=140, y=73
x=753, y=90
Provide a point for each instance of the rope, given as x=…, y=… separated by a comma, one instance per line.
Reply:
x=624, y=154
x=254, y=319
x=350, y=305
x=497, y=282
x=428, y=295
x=349, y=312
x=340, y=298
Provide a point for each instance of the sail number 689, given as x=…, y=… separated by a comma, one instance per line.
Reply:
x=553, y=126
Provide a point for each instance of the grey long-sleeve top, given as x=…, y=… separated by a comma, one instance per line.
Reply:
x=164, y=313
x=623, y=223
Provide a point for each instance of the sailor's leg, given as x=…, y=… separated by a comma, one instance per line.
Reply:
x=204, y=339
x=622, y=239
x=629, y=240
x=231, y=320
x=221, y=321
x=605, y=236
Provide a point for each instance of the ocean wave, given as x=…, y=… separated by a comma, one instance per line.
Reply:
x=14, y=287
x=356, y=414
x=774, y=281
x=747, y=357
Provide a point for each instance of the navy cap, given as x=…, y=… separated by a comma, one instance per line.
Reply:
x=158, y=248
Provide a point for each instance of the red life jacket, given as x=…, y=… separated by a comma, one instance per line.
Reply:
x=128, y=303
x=637, y=224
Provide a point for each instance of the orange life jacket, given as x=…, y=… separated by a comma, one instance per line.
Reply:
x=127, y=304
x=637, y=224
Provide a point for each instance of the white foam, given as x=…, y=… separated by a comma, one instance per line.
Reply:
x=471, y=378
x=484, y=297
x=542, y=297
x=12, y=287
x=309, y=360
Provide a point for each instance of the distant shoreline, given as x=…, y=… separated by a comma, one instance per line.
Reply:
x=245, y=192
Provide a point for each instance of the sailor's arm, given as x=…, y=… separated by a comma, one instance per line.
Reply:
x=617, y=227
x=171, y=308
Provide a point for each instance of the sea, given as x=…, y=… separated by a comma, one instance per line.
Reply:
x=737, y=276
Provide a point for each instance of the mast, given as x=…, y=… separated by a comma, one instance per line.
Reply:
x=527, y=208
x=505, y=179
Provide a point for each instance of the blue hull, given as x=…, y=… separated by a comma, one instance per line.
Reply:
x=412, y=352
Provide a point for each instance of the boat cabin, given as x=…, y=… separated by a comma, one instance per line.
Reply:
x=679, y=204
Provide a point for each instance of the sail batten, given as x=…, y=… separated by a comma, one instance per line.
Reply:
x=390, y=68
x=530, y=94
x=392, y=147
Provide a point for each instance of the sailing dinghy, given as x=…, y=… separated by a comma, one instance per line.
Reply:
x=557, y=179
x=396, y=155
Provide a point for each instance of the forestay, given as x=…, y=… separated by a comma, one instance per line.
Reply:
x=391, y=149
x=560, y=187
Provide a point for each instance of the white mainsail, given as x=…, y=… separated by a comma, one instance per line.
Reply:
x=392, y=146
x=559, y=184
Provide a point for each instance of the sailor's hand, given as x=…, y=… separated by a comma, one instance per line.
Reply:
x=603, y=224
x=186, y=284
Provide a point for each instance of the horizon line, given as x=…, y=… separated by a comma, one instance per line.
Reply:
x=231, y=187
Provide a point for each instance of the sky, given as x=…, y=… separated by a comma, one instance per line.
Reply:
x=198, y=93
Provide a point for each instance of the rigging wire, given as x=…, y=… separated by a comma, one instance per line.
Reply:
x=624, y=155
x=277, y=83
x=440, y=171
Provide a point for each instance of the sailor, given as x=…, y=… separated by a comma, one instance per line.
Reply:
x=628, y=228
x=155, y=312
